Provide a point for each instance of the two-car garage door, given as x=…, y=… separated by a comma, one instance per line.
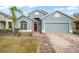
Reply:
x=56, y=27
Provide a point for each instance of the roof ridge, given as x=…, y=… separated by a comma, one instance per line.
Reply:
x=6, y=15
x=44, y=11
x=36, y=10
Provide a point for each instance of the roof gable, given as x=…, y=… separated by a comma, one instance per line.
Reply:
x=25, y=17
x=43, y=12
x=56, y=12
x=76, y=17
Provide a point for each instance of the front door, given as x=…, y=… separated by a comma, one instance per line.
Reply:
x=35, y=26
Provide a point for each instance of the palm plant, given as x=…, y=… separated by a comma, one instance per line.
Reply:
x=14, y=10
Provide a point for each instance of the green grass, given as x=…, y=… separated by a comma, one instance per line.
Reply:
x=18, y=46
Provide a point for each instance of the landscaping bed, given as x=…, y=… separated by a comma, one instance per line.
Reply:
x=44, y=44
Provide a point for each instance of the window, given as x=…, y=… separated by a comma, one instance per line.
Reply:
x=77, y=25
x=3, y=25
x=23, y=25
x=10, y=25
x=57, y=15
x=36, y=13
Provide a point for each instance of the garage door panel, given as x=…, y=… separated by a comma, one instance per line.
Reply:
x=56, y=27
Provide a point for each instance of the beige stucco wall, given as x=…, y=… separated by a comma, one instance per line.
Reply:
x=6, y=20
x=3, y=18
x=9, y=20
x=2, y=25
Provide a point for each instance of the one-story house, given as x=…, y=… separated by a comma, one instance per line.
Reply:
x=43, y=22
x=5, y=21
x=56, y=22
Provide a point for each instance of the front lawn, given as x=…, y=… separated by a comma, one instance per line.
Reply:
x=19, y=46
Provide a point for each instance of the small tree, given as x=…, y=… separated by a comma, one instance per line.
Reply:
x=14, y=10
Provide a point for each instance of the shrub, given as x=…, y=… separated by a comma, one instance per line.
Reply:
x=5, y=31
x=18, y=33
x=77, y=33
x=16, y=30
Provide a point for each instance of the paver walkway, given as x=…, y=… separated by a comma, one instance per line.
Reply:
x=61, y=44
x=45, y=46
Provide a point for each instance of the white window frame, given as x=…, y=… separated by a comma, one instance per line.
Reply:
x=23, y=25
x=36, y=13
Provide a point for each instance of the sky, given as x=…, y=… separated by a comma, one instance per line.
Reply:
x=69, y=10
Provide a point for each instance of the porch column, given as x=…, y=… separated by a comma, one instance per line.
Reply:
x=74, y=28
x=43, y=27
x=70, y=27
x=7, y=26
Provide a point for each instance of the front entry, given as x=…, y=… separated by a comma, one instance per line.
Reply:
x=37, y=25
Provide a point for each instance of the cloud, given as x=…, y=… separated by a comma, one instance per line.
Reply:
x=31, y=6
x=72, y=8
x=59, y=9
x=6, y=7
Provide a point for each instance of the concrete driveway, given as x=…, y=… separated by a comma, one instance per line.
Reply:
x=64, y=43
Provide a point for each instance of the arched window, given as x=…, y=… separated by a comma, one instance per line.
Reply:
x=57, y=15
x=23, y=25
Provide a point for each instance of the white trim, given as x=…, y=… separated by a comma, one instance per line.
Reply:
x=23, y=24
x=43, y=31
x=22, y=20
x=25, y=30
x=7, y=25
x=36, y=13
x=70, y=29
x=43, y=28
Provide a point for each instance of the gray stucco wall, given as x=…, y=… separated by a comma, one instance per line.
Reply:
x=29, y=23
x=32, y=15
x=52, y=19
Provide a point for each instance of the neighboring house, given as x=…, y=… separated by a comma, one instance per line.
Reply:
x=5, y=21
x=76, y=23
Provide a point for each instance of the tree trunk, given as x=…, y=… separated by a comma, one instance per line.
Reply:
x=13, y=29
